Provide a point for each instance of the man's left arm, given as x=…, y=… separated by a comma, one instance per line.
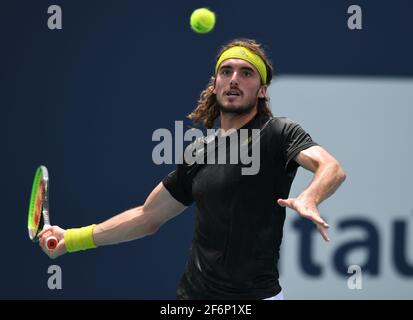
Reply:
x=328, y=176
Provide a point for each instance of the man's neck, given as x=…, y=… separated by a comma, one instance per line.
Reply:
x=236, y=121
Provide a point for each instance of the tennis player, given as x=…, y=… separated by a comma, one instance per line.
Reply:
x=240, y=218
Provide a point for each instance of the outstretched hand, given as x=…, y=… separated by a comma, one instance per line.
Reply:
x=59, y=234
x=308, y=210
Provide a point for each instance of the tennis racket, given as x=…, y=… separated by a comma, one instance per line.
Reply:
x=39, y=207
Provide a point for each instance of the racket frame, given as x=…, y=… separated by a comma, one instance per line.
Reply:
x=51, y=242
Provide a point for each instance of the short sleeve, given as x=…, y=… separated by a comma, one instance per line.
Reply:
x=294, y=140
x=179, y=185
x=179, y=181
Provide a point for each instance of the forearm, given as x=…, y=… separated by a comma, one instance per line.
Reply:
x=141, y=221
x=132, y=224
x=327, y=178
x=126, y=226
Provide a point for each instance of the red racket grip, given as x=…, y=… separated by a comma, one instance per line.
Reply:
x=51, y=243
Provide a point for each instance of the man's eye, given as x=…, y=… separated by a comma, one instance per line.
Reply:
x=247, y=73
x=225, y=71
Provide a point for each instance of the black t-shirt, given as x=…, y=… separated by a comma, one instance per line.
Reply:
x=239, y=225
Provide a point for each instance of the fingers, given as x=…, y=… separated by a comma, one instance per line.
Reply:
x=323, y=232
x=42, y=240
x=319, y=221
x=285, y=203
x=55, y=231
x=302, y=210
x=44, y=230
x=321, y=225
x=46, y=235
x=307, y=211
x=42, y=244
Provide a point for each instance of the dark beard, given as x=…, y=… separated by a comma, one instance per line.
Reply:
x=239, y=111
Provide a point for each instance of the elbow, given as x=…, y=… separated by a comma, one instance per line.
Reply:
x=152, y=225
x=341, y=175
x=152, y=228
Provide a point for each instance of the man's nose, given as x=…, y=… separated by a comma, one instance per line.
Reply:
x=234, y=79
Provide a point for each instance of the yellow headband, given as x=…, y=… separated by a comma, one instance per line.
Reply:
x=247, y=55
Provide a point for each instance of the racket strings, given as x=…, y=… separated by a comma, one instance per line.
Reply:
x=36, y=205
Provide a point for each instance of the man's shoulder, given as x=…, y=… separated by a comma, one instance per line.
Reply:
x=283, y=121
x=278, y=125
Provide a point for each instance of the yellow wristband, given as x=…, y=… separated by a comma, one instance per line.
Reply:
x=79, y=239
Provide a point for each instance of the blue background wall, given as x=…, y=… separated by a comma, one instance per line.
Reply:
x=86, y=99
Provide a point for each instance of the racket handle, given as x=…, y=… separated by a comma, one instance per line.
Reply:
x=51, y=243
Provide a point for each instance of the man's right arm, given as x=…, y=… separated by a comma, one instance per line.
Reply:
x=132, y=224
x=141, y=221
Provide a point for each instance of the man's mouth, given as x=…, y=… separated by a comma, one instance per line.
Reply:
x=233, y=92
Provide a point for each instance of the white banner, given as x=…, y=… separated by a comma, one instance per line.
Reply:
x=366, y=124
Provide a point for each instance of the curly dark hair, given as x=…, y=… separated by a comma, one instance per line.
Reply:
x=207, y=111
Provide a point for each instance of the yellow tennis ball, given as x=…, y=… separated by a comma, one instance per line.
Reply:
x=202, y=20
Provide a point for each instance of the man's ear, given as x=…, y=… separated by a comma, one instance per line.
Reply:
x=215, y=90
x=262, y=92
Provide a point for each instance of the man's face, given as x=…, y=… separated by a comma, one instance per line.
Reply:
x=238, y=86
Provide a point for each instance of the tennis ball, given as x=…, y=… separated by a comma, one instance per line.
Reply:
x=202, y=20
